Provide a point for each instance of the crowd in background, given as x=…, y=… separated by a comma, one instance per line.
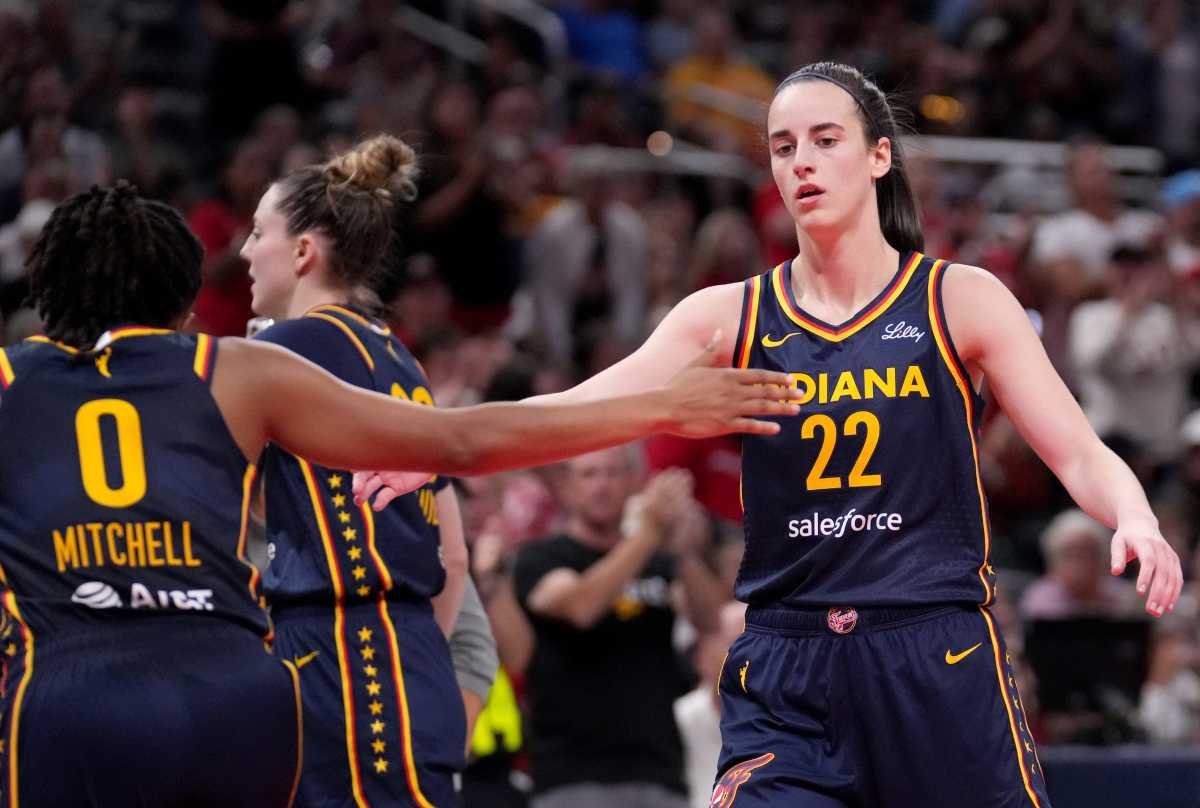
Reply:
x=529, y=262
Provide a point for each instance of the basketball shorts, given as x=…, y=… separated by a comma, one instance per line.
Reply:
x=384, y=722
x=879, y=708
x=170, y=710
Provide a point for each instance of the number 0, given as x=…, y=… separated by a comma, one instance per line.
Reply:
x=129, y=444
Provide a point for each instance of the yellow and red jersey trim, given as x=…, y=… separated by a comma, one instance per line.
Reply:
x=1012, y=723
x=745, y=340
x=295, y=674
x=858, y=323
x=135, y=331
x=6, y=371
x=942, y=337
x=44, y=340
x=385, y=577
x=14, y=727
x=410, y=767
x=358, y=318
x=204, y=356
x=349, y=332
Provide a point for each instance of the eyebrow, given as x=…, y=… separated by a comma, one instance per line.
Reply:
x=812, y=130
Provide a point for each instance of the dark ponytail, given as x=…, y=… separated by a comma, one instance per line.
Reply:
x=898, y=215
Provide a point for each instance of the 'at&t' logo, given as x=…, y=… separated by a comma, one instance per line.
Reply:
x=734, y=777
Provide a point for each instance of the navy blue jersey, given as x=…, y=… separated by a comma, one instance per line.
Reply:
x=121, y=488
x=872, y=494
x=322, y=547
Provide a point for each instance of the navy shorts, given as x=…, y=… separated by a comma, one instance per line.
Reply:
x=172, y=710
x=874, y=709
x=384, y=723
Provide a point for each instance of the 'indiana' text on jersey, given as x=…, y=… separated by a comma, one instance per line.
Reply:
x=120, y=486
x=327, y=549
x=871, y=496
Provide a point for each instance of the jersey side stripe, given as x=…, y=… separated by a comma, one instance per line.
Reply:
x=963, y=389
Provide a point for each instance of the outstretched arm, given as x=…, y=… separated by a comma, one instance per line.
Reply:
x=267, y=393
x=1005, y=347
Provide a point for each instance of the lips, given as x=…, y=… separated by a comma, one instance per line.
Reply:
x=809, y=191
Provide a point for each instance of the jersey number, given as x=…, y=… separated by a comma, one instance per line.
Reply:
x=817, y=481
x=129, y=446
x=419, y=396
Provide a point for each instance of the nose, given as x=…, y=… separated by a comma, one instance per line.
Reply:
x=802, y=164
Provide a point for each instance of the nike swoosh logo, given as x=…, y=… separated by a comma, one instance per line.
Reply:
x=304, y=660
x=954, y=659
x=767, y=342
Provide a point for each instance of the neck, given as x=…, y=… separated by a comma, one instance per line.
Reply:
x=310, y=295
x=1102, y=207
x=597, y=536
x=838, y=273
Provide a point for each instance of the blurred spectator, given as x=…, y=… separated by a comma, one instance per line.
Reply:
x=222, y=224
x=586, y=263
x=1071, y=250
x=699, y=712
x=46, y=133
x=1170, y=705
x=1077, y=580
x=140, y=153
x=604, y=674
x=1181, y=494
x=461, y=220
x=254, y=61
x=725, y=251
x=603, y=37
x=1131, y=354
x=16, y=241
x=714, y=463
x=774, y=224
x=1181, y=199
x=669, y=35
x=715, y=96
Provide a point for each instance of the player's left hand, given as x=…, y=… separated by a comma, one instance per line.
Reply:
x=1161, y=575
x=389, y=485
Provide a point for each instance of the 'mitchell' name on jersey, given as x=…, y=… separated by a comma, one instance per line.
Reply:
x=872, y=495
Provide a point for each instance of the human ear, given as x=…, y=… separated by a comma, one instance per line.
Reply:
x=881, y=158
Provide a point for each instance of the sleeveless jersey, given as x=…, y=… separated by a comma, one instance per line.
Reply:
x=121, y=488
x=323, y=548
x=871, y=496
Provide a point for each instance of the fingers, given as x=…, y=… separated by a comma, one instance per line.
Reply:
x=752, y=427
x=384, y=499
x=1160, y=575
x=768, y=407
x=1119, y=554
x=366, y=483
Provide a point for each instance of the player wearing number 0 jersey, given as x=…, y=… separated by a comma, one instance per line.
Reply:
x=123, y=532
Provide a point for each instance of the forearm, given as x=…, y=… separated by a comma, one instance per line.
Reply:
x=702, y=591
x=514, y=636
x=597, y=588
x=454, y=558
x=1105, y=487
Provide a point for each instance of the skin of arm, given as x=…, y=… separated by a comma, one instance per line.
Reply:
x=1003, y=347
x=473, y=650
x=266, y=393
x=703, y=595
x=454, y=558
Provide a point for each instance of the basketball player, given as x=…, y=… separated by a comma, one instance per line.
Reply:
x=344, y=580
x=137, y=672
x=871, y=672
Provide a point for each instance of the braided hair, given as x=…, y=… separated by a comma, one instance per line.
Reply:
x=109, y=257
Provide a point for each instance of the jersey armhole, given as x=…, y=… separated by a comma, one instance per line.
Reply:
x=949, y=354
x=751, y=294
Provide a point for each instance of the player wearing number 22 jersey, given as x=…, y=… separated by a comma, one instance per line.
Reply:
x=135, y=665
x=867, y=570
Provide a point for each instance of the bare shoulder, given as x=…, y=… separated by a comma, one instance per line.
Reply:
x=979, y=308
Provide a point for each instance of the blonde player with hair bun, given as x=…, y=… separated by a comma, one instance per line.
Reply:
x=363, y=601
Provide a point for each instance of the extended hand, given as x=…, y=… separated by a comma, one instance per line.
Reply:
x=1160, y=577
x=707, y=401
x=389, y=484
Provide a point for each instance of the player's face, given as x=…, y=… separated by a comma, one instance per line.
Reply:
x=823, y=166
x=271, y=252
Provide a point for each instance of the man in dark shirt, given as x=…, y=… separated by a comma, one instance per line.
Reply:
x=604, y=673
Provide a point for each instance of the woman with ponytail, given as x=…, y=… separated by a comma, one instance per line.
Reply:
x=872, y=671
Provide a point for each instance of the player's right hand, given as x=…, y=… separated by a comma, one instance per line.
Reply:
x=705, y=401
x=389, y=485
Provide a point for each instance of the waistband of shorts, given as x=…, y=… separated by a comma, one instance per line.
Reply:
x=151, y=630
x=843, y=619
x=300, y=610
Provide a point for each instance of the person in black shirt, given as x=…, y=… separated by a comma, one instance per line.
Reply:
x=604, y=673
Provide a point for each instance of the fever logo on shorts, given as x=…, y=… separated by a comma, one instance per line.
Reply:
x=842, y=621
x=727, y=787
